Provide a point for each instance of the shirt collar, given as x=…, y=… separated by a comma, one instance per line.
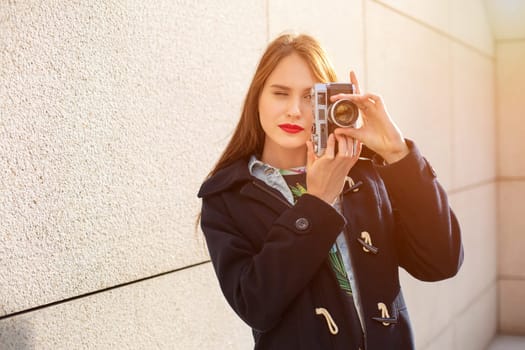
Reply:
x=256, y=166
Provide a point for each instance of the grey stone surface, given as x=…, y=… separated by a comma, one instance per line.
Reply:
x=111, y=114
x=507, y=342
x=182, y=310
x=338, y=25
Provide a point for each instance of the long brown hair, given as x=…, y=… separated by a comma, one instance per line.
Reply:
x=248, y=137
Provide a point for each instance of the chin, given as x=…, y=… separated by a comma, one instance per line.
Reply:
x=294, y=146
x=286, y=144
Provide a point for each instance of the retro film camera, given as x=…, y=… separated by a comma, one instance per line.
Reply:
x=329, y=116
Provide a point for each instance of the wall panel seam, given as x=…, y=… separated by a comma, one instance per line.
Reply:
x=506, y=277
x=438, y=336
x=510, y=178
x=511, y=41
x=36, y=308
x=478, y=296
x=475, y=185
x=436, y=30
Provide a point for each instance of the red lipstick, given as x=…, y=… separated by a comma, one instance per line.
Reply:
x=291, y=128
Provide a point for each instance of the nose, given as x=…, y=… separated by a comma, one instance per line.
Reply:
x=294, y=108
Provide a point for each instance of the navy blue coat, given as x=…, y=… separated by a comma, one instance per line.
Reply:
x=271, y=257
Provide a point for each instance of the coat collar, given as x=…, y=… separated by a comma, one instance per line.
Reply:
x=238, y=172
x=227, y=177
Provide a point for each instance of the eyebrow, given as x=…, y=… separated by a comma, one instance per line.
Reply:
x=283, y=87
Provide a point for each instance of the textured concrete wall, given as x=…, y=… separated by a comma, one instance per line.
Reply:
x=511, y=173
x=433, y=62
x=112, y=113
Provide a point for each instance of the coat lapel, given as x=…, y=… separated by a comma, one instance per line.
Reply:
x=269, y=197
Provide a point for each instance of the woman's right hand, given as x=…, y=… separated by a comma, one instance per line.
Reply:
x=325, y=175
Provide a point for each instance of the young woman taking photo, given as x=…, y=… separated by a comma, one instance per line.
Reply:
x=307, y=247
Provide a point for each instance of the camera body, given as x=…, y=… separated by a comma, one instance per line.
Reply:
x=331, y=115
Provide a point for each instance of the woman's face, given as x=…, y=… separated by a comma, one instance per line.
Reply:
x=285, y=110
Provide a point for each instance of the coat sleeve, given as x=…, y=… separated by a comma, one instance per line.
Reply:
x=260, y=284
x=428, y=234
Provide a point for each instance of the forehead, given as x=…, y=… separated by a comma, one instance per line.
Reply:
x=292, y=71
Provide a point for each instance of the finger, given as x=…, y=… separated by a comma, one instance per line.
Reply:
x=342, y=146
x=349, y=141
x=379, y=102
x=353, y=80
x=361, y=101
x=353, y=133
x=347, y=132
x=310, y=154
x=367, y=99
x=376, y=99
x=358, y=146
x=349, y=145
x=330, y=147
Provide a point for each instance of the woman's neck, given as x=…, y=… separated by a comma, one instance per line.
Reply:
x=284, y=158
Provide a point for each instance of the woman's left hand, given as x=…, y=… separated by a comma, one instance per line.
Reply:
x=378, y=131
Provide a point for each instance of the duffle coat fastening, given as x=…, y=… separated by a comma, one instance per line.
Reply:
x=271, y=257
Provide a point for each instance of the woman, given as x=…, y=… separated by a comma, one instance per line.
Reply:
x=307, y=248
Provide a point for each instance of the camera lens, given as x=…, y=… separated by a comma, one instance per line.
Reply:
x=344, y=113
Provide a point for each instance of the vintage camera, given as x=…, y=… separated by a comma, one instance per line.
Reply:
x=329, y=116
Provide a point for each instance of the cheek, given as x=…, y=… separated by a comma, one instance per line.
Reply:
x=270, y=107
x=262, y=110
x=308, y=114
x=266, y=113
